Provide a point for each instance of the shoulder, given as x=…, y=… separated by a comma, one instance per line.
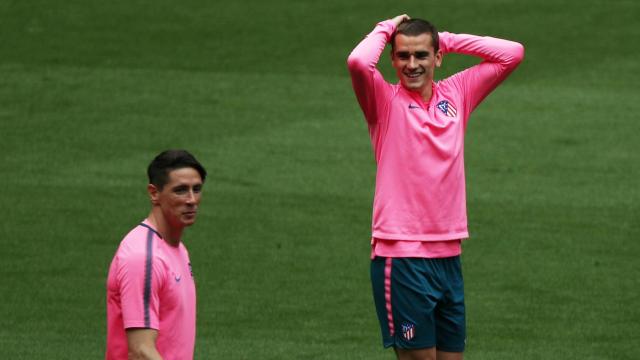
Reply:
x=183, y=249
x=135, y=242
x=448, y=83
x=453, y=86
x=141, y=246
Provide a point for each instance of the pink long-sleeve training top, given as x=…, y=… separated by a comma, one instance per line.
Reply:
x=419, y=206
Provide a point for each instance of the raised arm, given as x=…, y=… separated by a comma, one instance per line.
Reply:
x=365, y=77
x=364, y=58
x=500, y=57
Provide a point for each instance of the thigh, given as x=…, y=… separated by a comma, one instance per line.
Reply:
x=405, y=302
x=381, y=286
x=450, y=315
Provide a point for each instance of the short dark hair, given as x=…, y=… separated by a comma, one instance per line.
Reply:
x=169, y=160
x=415, y=27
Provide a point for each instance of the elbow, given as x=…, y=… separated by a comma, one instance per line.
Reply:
x=518, y=53
x=513, y=56
x=354, y=63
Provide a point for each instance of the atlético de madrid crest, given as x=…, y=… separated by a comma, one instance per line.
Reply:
x=447, y=108
x=408, y=331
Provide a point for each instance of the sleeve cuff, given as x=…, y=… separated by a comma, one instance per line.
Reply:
x=388, y=26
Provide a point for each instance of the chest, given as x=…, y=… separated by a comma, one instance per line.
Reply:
x=417, y=129
x=178, y=286
x=440, y=116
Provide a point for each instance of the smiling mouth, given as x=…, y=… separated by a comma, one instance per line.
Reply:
x=414, y=75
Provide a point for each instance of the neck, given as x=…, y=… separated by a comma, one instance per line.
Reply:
x=427, y=92
x=170, y=234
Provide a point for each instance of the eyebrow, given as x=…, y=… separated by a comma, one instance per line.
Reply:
x=187, y=186
x=421, y=53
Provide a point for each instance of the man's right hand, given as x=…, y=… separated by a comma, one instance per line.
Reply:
x=400, y=18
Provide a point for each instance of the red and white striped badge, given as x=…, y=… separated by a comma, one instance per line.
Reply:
x=447, y=108
x=408, y=331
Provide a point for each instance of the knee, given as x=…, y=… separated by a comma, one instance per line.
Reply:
x=416, y=354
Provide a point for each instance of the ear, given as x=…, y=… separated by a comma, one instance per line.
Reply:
x=154, y=194
x=439, y=56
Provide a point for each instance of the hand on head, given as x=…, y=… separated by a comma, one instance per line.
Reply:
x=400, y=18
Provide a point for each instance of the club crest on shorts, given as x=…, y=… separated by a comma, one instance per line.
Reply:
x=447, y=108
x=408, y=331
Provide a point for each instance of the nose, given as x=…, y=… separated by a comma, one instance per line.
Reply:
x=191, y=198
x=412, y=62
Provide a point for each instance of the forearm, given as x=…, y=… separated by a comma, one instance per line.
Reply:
x=505, y=52
x=142, y=344
x=366, y=55
x=500, y=57
x=144, y=353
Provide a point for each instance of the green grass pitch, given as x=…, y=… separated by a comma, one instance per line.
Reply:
x=91, y=90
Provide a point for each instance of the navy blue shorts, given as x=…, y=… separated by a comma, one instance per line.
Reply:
x=420, y=302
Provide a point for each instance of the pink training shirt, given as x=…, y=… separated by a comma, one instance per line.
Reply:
x=150, y=285
x=419, y=146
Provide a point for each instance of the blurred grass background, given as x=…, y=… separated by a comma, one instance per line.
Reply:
x=90, y=91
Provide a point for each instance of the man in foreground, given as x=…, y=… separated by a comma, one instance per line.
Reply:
x=151, y=295
x=417, y=132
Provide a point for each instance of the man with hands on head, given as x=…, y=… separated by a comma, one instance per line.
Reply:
x=419, y=220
